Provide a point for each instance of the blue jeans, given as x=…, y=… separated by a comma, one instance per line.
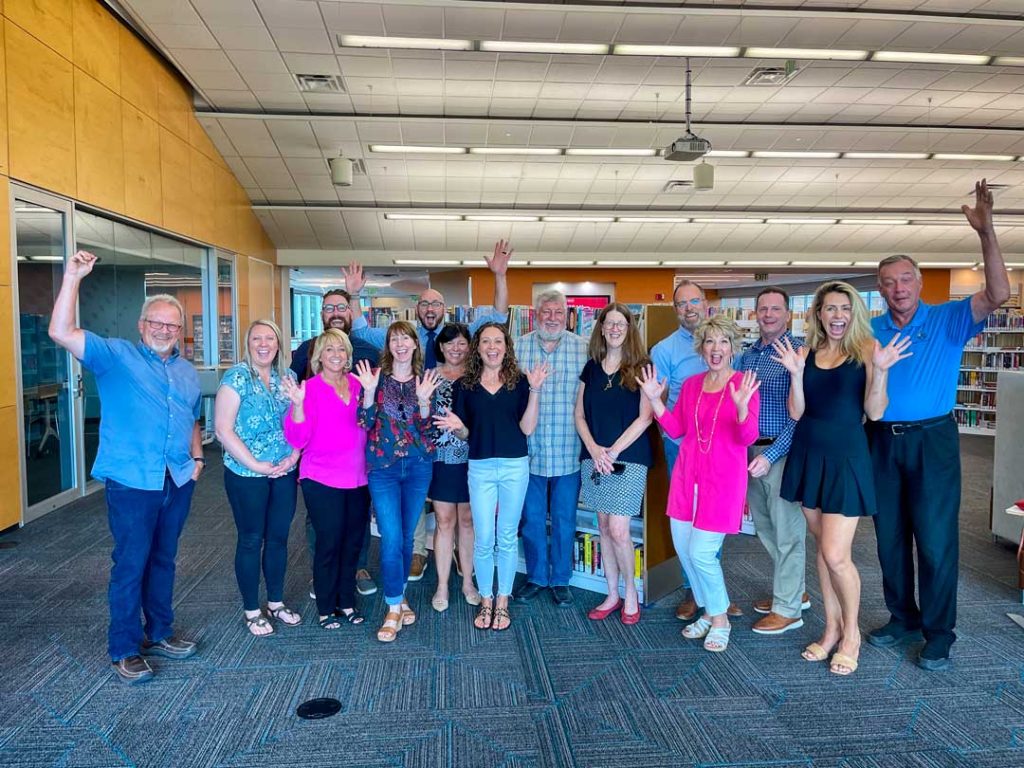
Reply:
x=263, y=508
x=560, y=496
x=497, y=486
x=145, y=526
x=398, y=492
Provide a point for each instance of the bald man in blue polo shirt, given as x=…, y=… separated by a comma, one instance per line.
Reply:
x=916, y=447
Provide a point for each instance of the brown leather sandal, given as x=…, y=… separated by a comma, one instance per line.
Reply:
x=484, y=616
x=408, y=615
x=501, y=615
x=390, y=628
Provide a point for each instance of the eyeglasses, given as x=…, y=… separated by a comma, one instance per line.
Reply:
x=618, y=325
x=335, y=308
x=156, y=325
x=692, y=302
x=430, y=304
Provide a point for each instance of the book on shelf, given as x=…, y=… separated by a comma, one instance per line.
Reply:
x=589, y=559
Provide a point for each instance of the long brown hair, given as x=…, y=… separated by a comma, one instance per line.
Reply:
x=387, y=360
x=509, y=372
x=634, y=356
x=858, y=337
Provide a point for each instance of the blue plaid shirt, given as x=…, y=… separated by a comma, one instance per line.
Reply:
x=774, y=420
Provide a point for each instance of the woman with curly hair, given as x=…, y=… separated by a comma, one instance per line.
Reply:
x=395, y=409
x=837, y=379
x=494, y=409
x=612, y=419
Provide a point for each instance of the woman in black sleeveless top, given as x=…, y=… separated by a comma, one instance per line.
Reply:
x=837, y=379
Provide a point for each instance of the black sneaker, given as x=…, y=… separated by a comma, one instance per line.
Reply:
x=891, y=634
x=528, y=591
x=171, y=648
x=132, y=670
x=934, y=656
x=562, y=596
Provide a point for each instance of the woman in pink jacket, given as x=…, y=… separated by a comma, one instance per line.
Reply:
x=716, y=415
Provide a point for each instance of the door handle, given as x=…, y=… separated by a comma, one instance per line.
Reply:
x=79, y=387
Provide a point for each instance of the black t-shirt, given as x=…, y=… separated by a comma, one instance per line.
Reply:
x=493, y=420
x=361, y=350
x=609, y=410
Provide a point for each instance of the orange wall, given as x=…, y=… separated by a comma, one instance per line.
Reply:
x=632, y=286
x=935, y=289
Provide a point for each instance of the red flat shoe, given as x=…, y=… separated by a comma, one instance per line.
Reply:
x=600, y=614
x=630, y=618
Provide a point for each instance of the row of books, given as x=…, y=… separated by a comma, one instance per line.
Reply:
x=1006, y=360
x=983, y=399
x=587, y=556
x=977, y=419
x=976, y=379
x=1006, y=318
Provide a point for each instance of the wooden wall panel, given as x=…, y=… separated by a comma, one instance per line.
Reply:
x=47, y=20
x=261, y=289
x=41, y=117
x=224, y=209
x=199, y=139
x=174, y=103
x=10, y=467
x=99, y=144
x=204, y=214
x=143, y=193
x=8, y=389
x=4, y=162
x=176, y=182
x=139, y=73
x=96, y=38
x=5, y=239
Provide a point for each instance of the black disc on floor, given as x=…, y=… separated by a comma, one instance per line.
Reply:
x=318, y=709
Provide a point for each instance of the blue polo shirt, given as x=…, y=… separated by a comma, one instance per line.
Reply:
x=924, y=385
x=676, y=358
x=148, y=408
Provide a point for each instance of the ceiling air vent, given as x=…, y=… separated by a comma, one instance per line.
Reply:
x=677, y=186
x=320, y=83
x=770, y=76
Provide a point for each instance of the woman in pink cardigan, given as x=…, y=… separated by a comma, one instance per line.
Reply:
x=716, y=415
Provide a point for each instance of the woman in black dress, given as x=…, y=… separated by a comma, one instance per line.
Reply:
x=837, y=379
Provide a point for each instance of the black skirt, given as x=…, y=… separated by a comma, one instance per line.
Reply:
x=450, y=483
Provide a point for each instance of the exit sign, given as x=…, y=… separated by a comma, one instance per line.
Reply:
x=761, y=276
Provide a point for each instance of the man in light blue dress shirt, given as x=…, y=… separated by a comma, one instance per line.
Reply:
x=150, y=454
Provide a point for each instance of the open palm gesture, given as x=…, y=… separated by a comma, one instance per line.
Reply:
x=980, y=216
x=354, y=280
x=793, y=360
x=367, y=375
x=294, y=392
x=886, y=357
x=649, y=383
x=538, y=375
x=498, y=261
x=426, y=384
x=748, y=386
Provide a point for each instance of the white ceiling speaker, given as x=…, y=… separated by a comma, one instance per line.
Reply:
x=341, y=171
x=703, y=177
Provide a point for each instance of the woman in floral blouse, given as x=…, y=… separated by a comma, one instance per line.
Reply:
x=395, y=409
x=259, y=472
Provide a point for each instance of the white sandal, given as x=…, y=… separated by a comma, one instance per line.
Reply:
x=717, y=639
x=697, y=629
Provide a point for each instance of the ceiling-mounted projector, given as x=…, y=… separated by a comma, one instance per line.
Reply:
x=686, y=148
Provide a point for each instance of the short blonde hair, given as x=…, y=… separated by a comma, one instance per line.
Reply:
x=338, y=337
x=722, y=324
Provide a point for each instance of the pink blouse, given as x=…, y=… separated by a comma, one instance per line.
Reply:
x=333, y=444
x=718, y=468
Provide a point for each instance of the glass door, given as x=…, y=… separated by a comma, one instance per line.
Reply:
x=53, y=469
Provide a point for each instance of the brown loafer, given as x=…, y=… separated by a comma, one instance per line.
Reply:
x=734, y=610
x=773, y=624
x=765, y=606
x=687, y=609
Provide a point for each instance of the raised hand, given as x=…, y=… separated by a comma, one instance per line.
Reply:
x=886, y=357
x=425, y=386
x=448, y=421
x=367, y=375
x=980, y=216
x=538, y=375
x=649, y=383
x=498, y=261
x=793, y=360
x=294, y=392
x=80, y=264
x=748, y=386
x=354, y=280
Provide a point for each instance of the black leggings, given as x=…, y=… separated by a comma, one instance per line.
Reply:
x=339, y=516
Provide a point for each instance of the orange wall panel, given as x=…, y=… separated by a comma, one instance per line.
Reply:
x=10, y=467
x=139, y=71
x=633, y=286
x=46, y=20
x=176, y=182
x=4, y=163
x=96, y=37
x=5, y=241
x=143, y=193
x=41, y=117
x=935, y=285
x=99, y=144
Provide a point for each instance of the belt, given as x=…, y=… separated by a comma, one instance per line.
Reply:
x=902, y=427
x=761, y=441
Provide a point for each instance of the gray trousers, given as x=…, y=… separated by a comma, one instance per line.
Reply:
x=782, y=530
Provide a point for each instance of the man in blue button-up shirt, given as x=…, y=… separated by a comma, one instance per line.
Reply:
x=150, y=454
x=915, y=448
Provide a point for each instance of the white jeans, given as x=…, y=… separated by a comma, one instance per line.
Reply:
x=698, y=553
x=497, y=484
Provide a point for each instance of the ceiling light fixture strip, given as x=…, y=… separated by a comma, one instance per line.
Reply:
x=814, y=264
x=527, y=218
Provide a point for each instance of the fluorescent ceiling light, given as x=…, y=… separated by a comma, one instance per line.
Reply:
x=611, y=152
x=872, y=264
x=945, y=264
x=561, y=263
x=693, y=263
x=757, y=263
x=423, y=216
x=821, y=263
x=699, y=51
x=800, y=221
x=430, y=43
x=885, y=155
x=498, y=217
x=728, y=153
x=874, y=222
x=47, y=258
x=427, y=263
x=652, y=220
x=603, y=263
x=515, y=151
x=1009, y=61
x=474, y=263
x=915, y=57
x=591, y=219
x=728, y=220
x=795, y=154
x=937, y=222
x=522, y=46
x=1016, y=264
x=417, y=149
x=970, y=156
x=805, y=53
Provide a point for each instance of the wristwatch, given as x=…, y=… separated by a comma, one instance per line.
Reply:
x=200, y=459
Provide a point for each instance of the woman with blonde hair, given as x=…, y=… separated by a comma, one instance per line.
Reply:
x=836, y=380
x=612, y=419
x=322, y=423
x=259, y=472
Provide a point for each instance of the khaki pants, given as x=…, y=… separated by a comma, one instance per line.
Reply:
x=419, y=536
x=782, y=530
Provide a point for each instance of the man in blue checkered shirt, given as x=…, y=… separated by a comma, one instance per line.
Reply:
x=780, y=524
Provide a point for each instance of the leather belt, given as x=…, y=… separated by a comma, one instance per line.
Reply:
x=902, y=427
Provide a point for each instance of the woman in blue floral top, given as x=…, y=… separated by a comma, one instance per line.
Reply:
x=259, y=474
x=395, y=409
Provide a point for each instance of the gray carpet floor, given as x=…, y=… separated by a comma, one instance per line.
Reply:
x=556, y=690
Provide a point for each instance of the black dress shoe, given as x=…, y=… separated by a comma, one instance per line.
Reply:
x=132, y=670
x=934, y=656
x=891, y=634
x=562, y=596
x=171, y=648
x=528, y=591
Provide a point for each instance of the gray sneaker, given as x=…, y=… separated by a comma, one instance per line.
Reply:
x=364, y=583
x=171, y=648
x=132, y=670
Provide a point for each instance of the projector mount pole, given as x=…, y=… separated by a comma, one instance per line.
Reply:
x=688, y=131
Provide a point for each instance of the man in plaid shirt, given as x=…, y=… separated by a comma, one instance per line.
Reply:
x=554, y=451
x=780, y=524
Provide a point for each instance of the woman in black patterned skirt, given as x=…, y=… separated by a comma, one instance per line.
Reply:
x=612, y=418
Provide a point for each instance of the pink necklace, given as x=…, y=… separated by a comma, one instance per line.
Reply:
x=704, y=444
